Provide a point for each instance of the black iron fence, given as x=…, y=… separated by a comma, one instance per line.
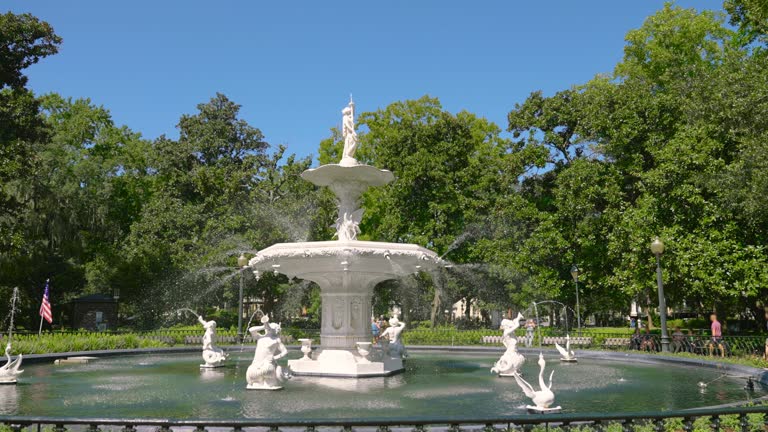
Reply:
x=743, y=419
x=729, y=345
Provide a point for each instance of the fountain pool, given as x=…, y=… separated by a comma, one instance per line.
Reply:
x=441, y=383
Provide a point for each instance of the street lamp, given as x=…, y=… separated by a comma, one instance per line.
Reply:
x=116, y=296
x=657, y=248
x=575, y=275
x=242, y=262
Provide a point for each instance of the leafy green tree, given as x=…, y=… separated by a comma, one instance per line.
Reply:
x=24, y=40
x=666, y=146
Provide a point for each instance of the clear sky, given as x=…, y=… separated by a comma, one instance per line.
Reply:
x=292, y=65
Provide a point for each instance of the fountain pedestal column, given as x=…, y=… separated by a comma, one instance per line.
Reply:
x=345, y=319
x=346, y=314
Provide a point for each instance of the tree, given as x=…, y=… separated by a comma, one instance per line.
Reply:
x=659, y=148
x=24, y=40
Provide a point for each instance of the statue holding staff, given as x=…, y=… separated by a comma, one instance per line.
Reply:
x=348, y=131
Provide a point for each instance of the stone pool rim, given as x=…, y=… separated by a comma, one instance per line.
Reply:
x=760, y=375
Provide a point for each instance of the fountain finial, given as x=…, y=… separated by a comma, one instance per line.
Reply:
x=349, y=134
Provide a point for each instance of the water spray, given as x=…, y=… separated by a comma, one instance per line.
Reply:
x=14, y=299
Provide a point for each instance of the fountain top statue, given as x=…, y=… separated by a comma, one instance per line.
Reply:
x=349, y=134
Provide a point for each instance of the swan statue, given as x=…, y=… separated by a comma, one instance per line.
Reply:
x=10, y=370
x=543, y=398
x=566, y=354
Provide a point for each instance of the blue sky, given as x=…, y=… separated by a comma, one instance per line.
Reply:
x=292, y=65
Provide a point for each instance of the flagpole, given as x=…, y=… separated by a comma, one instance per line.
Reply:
x=40, y=332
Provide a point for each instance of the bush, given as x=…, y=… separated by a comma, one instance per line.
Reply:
x=688, y=323
x=56, y=342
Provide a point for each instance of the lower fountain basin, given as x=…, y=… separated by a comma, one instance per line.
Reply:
x=434, y=384
x=345, y=363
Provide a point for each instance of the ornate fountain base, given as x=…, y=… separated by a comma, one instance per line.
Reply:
x=345, y=363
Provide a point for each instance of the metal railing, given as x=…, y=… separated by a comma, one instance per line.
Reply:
x=730, y=345
x=732, y=419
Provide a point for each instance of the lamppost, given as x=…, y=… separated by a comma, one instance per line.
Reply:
x=657, y=248
x=575, y=274
x=242, y=262
x=116, y=296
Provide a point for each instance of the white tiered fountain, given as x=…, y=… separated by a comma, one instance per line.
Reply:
x=346, y=270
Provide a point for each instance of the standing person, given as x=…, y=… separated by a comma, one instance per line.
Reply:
x=375, y=330
x=717, y=336
x=530, y=325
x=636, y=340
x=678, y=340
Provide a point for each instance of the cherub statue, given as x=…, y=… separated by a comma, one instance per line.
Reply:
x=264, y=373
x=395, y=347
x=212, y=355
x=348, y=227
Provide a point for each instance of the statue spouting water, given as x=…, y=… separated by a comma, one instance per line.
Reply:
x=10, y=370
x=264, y=373
x=212, y=355
x=393, y=344
x=510, y=362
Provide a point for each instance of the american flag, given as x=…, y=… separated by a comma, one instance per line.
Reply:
x=45, y=308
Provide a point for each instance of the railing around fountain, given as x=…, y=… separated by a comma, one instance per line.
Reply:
x=732, y=419
x=731, y=345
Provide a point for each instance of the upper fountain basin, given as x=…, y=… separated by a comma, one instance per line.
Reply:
x=348, y=173
x=302, y=260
